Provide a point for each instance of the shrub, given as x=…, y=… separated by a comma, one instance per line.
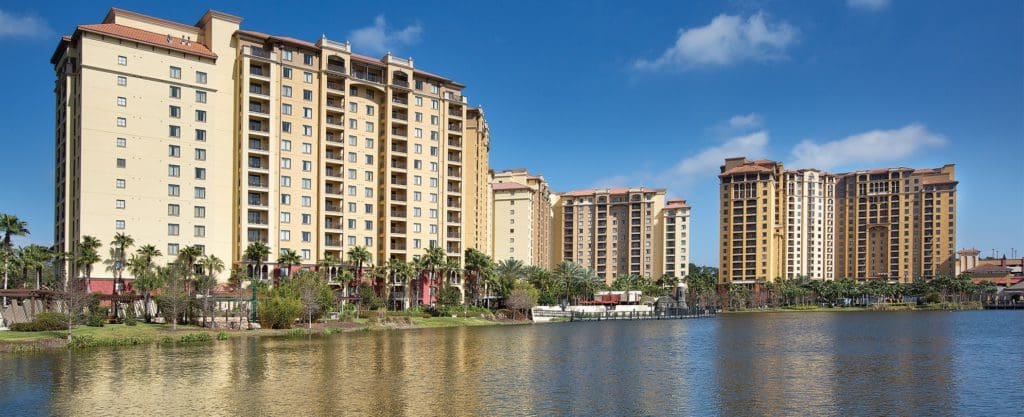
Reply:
x=933, y=297
x=297, y=333
x=166, y=340
x=222, y=336
x=97, y=317
x=82, y=341
x=130, y=319
x=196, y=338
x=279, y=312
x=45, y=321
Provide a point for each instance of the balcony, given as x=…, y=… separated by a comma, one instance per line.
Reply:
x=455, y=112
x=398, y=182
x=335, y=86
x=454, y=142
x=257, y=203
x=399, y=116
x=334, y=121
x=257, y=52
x=258, y=90
x=261, y=166
x=257, y=127
x=452, y=189
x=334, y=138
x=259, y=72
x=400, y=83
x=397, y=247
x=258, y=108
x=399, y=149
x=398, y=214
x=402, y=133
x=455, y=127
x=400, y=100
x=368, y=76
x=336, y=68
x=334, y=104
x=398, y=165
x=334, y=243
x=332, y=208
x=258, y=184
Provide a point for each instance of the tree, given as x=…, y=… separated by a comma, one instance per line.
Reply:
x=568, y=274
x=10, y=225
x=359, y=255
x=87, y=256
x=146, y=280
x=121, y=243
x=429, y=263
x=256, y=253
x=212, y=266
x=522, y=298
x=404, y=272
x=325, y=264
x=172, y=300
x=288, y=259
x=34, y=258
x=75, y=299
x=477, y=265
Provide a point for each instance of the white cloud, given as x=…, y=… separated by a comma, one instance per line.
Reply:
x=379, y=38
x=865, y=148
x=871, y=5
x=724, y=41
x=23, y=26
x=745, y=121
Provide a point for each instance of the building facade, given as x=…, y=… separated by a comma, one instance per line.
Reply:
x=619, y=231
x=211, y=135
x=522, y=218
x=895, y=224
x=677, y=238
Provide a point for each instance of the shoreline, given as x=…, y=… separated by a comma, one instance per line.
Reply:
x=888, y=308
x=115, y=335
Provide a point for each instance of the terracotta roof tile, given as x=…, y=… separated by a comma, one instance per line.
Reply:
x=147, y=37
x=747, y=169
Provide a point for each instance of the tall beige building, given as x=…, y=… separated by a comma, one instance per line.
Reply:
x=522, y=218
x=210, y=135
x=808, y=223
x=477, y=197
x=676, y=221
x=619, y=231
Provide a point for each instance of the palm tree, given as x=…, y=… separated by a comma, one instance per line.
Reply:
x=121, y=243
x=88, y=255
x=476, y=264
x=212, y=266
x=379, y=276
x=569, y=273
x=34, y=258
x=288, y=259
x=10, y=225
x=430, y=262
x=147, y=253
x=359, y=255
x=404, y=271
x=256, y=253
x=146, y=279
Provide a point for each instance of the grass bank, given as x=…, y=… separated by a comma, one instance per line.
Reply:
x=161, y=334
x=878, y=307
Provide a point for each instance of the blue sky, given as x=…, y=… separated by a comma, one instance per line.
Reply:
x=645, y=93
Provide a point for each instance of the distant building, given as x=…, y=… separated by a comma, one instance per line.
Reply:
x=621, y=231
x=894, y=224
x=522, y=218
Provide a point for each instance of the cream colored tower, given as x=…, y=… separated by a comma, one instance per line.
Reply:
x=209, y=135
x=522, y=218
x=810, y=223
x=614, y=231
x=676, y=251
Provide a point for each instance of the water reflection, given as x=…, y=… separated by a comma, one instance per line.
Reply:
x=766, y=364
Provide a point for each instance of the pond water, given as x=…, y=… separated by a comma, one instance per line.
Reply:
x=907, y=363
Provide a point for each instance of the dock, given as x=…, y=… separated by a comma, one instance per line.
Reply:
x=670, y=314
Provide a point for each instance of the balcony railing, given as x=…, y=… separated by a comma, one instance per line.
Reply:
x=399, y=100
x=367, y=76
x=456, y=113
x=335, y=86
x=336, y=68
x=399, y=116
x=455, y=128
x=256, y=108
x=401, y=83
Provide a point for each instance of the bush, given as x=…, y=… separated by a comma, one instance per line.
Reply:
x=298, y=333
x=129, y=317
x=279, y=312
x=166, y=340
x=196, y=338
x=97, y=317
x=82, y=341
x=45, y=321
x=222, y=336
x=933, y=297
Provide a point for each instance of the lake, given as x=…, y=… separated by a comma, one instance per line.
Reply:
x=898, y=363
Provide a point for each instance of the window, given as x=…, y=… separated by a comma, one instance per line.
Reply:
x=201, y=115
x=173, y=210
x=307, y=95
x=119, y=204
x=286, y=127
x=175, y=91
x=417, y=132
x=286, y=217
x=174, y=151
x=307, y=166
x=286, y=181
x=368, y=208
x=119, y=183
x=122, y=80
x=173, y=190
x=121, y=101
x=286, y=73
x=200, y=192
x=307, y=201
x=174, y=131
x=369, y=159
x=418, y=116
x=286, y=235
x=307, y=184
x=419, y=85
x=369, y=126
x=172, y=229
x=369, y=110
x=201, y=135
x=175, y=112
x=173, y=171
x=353, y=107
x=286, y=199
x=434, y=104
x=286, y=145
x=200, y=154
x=120, y=162
x=433, y=120
x=176, y=73
x=305, y=252
x=419, y=100
x=172, y=248
x=307, y=148
x=286, y=163
x=286, y=91
x=369, y=143
x=122, y=142
x=199, y=212
x=122, y=122
x=200, y=77
x=200, y=96
x=307, y=113
x=119, y=224
x=307, y=130
x=122, y=60
x=417, y=148
x=307, y=219
x=200, y=173
x=286, y=109
x=307, y=77
x=307, y=59
x=353, y=124
x=286, y=55
x=199, y=231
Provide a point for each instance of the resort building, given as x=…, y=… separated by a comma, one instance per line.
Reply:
x=677, y=238
x=522, y=218
x=212, y=136
x=894, y=224
x=620, y=231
